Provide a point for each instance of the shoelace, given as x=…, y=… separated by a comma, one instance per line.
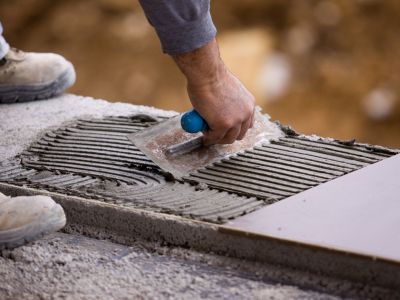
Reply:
x=3, y=61
x=15, y=50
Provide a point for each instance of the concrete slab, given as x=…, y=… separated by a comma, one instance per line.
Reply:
x=356, y=213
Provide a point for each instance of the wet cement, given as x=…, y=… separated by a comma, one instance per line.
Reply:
x=93, y=158
x=22, y=123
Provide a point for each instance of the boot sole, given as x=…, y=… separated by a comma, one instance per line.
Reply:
x=53, y=221
x=14, y=94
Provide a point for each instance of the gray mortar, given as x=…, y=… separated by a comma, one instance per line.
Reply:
x=87, y=152
x=74, y=267
x=289, y=131
x=22, y=123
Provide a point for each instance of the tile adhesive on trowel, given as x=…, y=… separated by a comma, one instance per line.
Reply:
x=175, y=145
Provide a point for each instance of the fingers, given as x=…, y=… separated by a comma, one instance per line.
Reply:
x=211, y=137
x=245, y=126
x=227, y=107
x=221, y=136
x=228, y=134
x=231, y=136
x=252, y=118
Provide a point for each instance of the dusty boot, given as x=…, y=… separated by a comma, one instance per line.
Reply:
x=26, y=76
x=26, y=218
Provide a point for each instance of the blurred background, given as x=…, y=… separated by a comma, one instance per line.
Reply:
x=328, y=67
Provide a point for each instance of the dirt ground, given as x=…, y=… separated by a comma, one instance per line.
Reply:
x=327, y=67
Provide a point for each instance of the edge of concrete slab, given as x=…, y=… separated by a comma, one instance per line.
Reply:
x=126, y=225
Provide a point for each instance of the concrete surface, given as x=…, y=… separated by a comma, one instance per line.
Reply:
x=127, y=226
x=63, y=266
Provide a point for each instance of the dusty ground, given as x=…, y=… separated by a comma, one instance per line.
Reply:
x=63, y=266
x=327, y=67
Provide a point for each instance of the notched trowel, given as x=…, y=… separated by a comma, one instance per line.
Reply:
x=175, y=145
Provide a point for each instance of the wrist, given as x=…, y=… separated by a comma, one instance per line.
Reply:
x=214, y=76
x=202, y=66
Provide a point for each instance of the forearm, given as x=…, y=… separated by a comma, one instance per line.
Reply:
x=217, y=95
x=187, y=34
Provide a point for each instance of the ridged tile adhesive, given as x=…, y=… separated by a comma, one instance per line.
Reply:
x=93, y=158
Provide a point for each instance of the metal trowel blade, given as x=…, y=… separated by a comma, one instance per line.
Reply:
x=180, y=153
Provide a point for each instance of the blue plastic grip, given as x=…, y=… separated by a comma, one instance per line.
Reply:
x=192, y=122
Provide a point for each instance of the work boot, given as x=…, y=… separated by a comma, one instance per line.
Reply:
x=27, y=218
x=26, y=76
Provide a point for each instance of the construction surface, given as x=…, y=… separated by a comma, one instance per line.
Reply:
x=110, y=191
x=93, y=158
x=74, y=267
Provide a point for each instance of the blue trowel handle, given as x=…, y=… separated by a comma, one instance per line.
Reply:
x=192, y=122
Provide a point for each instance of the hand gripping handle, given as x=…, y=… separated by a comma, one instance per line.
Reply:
x=192, y=122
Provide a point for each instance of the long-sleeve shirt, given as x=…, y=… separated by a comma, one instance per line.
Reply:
x=181, y=25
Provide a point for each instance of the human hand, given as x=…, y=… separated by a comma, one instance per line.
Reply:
x=217, y=95
x=227, y=107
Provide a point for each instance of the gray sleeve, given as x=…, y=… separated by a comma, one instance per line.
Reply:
x=181, y=25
